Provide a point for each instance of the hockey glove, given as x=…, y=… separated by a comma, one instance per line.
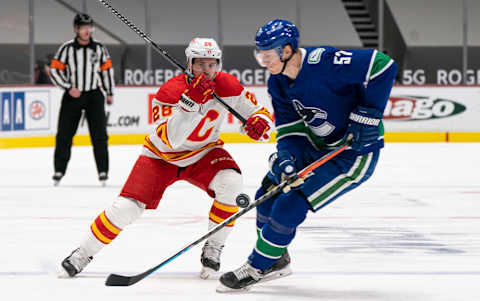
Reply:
x=363, y=127
x=282, y=166
x=257, y=128
x=197, y=93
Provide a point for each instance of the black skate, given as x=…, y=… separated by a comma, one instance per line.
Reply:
x=281, y=268
x=210, y=259
x=233, y=281
x=57, y=176
x=103, y=177
x=239, y=280
x=74, y=264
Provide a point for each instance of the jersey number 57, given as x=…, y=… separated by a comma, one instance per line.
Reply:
x=342, y=57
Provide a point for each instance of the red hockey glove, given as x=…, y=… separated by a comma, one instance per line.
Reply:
x=257, y=127
x=199, y=89
x=197, y=93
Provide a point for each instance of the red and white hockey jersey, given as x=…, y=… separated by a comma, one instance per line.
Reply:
x=183, y=138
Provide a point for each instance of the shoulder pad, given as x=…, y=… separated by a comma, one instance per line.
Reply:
x=227, y=85
x=170, y=92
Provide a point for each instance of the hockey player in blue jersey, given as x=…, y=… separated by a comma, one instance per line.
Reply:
x=321, y=96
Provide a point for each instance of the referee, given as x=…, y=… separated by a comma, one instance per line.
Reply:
x=81, y=66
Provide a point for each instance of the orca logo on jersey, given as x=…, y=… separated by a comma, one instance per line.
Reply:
x=308, y=114
x=315, y=118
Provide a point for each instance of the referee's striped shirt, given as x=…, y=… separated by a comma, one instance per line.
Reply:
x=85, y=67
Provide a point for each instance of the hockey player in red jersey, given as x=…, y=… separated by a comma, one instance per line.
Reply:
x=184, y=145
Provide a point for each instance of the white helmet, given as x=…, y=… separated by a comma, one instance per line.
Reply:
x=203, y=48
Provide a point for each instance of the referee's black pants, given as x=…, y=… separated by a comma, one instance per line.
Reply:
x=93, y=102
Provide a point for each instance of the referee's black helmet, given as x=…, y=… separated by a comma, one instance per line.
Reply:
x=82, y=19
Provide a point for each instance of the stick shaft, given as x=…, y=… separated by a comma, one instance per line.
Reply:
x=118, y=280
x=169, y=58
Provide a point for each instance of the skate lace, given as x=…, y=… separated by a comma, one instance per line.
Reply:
x=247, y=270
x=212, y=251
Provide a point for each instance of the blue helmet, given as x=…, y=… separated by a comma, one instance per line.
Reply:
x=277, y=34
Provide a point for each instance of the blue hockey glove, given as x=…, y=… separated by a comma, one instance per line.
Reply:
x=281, y=165
x=363, y=127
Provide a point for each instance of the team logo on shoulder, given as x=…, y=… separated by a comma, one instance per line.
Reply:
x=315, y=56
x=315, y=118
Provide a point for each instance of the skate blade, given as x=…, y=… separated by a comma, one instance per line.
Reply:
x=103, y=183
x=55, y=183
x=277, y=274
x=222, y=289
x=272, y=276
x=206, y=272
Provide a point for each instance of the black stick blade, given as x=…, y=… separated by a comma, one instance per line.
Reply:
x=119, y=280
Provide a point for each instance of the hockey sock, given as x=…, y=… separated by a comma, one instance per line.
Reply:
x=272, y=241
x=106, y=227
x=265, y=208
x=218, y=213
x=288, y=212
x=227, y=185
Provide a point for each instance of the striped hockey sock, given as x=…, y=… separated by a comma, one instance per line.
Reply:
x=218, y=213
x=108, y=224
x=103, y=229
x=102, y=232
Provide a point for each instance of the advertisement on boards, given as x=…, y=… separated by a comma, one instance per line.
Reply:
x=27, y=112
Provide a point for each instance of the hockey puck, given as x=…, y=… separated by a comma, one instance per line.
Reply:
x=242, y=200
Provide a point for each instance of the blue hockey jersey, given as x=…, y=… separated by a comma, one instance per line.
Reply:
x=331, y=83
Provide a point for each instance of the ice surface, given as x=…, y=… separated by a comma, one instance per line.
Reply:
x=412, y=232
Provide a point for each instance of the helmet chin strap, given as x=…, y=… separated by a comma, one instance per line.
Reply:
x=286, y=61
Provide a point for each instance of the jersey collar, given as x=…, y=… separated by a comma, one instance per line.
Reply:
x=303, y=52
x=77, y=45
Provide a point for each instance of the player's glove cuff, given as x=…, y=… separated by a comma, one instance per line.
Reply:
x=364, y=127
x=187, y=104
x=366, y=116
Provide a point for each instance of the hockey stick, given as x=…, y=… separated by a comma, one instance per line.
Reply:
x=166, y=55
x=119, y=280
